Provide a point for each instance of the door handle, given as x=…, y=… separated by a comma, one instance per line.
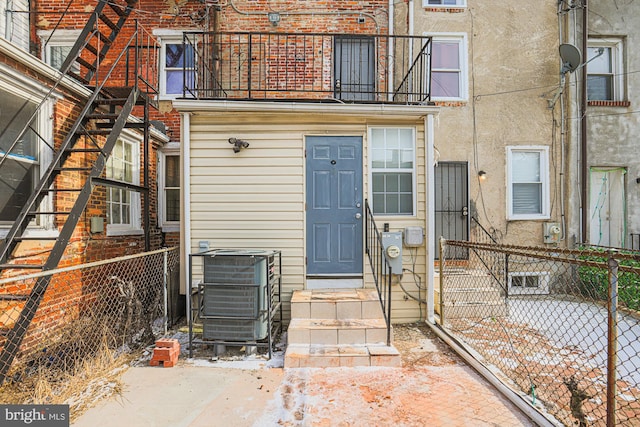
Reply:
x=358, y=215
x=465, y=211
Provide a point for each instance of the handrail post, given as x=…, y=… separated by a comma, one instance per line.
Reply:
x=441, y=284
x=389, y=306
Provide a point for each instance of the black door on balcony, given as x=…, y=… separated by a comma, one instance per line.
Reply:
x=354, y=68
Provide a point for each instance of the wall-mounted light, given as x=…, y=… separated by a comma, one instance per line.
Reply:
x=482, y=175
x=238, y=144
x=274, y=18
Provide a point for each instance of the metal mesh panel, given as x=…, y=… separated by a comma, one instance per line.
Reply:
x=116, y=304
x=562, y=326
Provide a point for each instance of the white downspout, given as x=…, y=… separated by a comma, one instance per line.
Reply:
x=430, y=215
x=390, y=46
x=411, y=28
x=185, y=239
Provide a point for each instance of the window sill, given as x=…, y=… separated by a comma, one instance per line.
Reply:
x=31, y=232
x=124, y=232
x=443, y=103
x=529, y=218
x=171, y=228
x=609, y=103
x=432, y=8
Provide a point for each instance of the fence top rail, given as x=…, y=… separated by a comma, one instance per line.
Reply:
x=573, y=256
x=81, y=266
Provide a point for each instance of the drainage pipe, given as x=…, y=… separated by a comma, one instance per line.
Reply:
x=508, y=393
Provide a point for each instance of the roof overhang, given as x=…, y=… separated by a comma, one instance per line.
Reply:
x=315, y=108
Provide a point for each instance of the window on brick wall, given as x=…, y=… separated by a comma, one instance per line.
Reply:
x=123, y=206
x=449, y=67
x=25, y=133
x=57, y=45
x=177, y=71
x=169, y=187
x=605, y=80
x=393, y=170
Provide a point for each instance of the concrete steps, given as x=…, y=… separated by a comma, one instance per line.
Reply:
x=470, y=295
x=338, y=328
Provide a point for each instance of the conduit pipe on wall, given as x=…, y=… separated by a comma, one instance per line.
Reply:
x=430, y=215
x=391, y=47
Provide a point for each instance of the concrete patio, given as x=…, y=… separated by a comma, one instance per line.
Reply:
x=433, y=387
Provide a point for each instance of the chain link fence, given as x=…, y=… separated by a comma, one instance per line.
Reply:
x=108, y=307
x=560, y=326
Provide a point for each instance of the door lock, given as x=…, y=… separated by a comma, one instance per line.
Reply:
x=465, y=211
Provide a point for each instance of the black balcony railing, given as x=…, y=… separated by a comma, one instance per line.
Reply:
x=312, y=67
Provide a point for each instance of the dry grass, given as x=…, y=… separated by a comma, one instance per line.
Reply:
x=90, y=379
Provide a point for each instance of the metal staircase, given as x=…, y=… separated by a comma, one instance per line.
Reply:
x=80, y=158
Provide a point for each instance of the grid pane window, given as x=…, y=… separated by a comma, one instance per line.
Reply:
x=121, y=166
x=392, y=170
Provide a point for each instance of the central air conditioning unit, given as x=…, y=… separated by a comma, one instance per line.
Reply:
x=235, y=302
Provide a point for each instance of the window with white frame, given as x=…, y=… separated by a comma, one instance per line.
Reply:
x=444, y=3
x=57, y=45
x=14, y=22
x=26, y=132
x=528, y=182
x=176, y=66
x=605, y=77
x=123, y=206
x=448, y=67
x=522, y=283
x=169, y=187
x=393, y=169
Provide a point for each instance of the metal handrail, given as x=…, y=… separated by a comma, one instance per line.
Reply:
x=380, y=266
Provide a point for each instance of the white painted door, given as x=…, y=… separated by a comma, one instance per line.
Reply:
x=607, y=207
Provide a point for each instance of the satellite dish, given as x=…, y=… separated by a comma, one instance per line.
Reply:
x=571, y=58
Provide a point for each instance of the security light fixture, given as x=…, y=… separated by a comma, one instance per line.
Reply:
x=274, y=18
x=482, y=175
x=238, y=144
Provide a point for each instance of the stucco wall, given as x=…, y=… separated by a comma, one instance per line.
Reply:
x=512, y=70
x=613, y=131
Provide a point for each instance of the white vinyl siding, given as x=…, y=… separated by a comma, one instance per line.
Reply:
x=256, y=198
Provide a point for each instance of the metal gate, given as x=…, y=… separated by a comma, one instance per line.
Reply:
x=451, y=202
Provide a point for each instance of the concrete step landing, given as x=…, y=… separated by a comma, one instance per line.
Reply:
x=337, y=328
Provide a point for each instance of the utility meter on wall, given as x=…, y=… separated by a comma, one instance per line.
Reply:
x=393, y=251
x=392, y=243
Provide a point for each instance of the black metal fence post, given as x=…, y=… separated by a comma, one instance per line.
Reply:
x=612, y=340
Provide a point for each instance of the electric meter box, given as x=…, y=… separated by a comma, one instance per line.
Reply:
x=392, y=245
x=413, y=237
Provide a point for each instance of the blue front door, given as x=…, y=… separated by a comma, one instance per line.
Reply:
x=334, y=205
